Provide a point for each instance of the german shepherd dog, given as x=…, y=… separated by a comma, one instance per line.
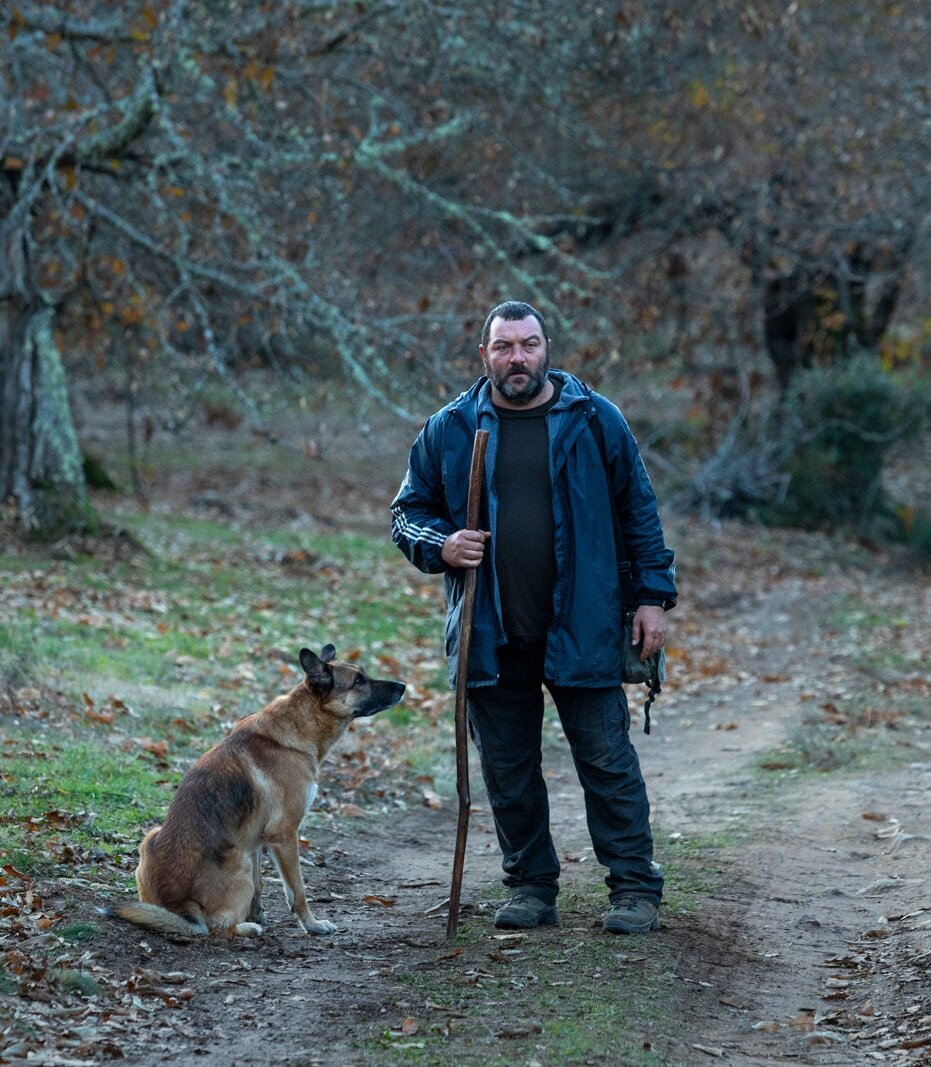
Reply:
x=200, y=872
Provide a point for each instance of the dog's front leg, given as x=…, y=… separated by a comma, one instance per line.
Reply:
x=286, y=856
x=256, y=911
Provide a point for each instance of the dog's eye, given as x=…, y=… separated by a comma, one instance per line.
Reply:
x=358, y=680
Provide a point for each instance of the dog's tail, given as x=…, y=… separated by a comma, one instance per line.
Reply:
x=155, y=917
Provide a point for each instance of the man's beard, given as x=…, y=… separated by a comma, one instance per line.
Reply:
x=520, y=394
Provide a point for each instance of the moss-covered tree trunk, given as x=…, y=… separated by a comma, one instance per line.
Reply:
x=40, y=462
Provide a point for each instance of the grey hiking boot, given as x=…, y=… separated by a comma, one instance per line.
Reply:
x=523, y=912
x=631, y=915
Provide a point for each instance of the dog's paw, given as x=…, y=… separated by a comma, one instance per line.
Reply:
x=320, y=926
x=247, y=930
x=257, y=917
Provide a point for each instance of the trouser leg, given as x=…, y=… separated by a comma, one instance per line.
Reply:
x=596, y=723
x=507, y=725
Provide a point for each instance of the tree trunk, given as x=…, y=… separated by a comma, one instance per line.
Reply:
x=41, y=468
x=817, y=315
x=40, y=462
x=790, y=325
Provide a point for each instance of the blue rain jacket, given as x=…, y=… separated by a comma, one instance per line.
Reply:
x=583, y=641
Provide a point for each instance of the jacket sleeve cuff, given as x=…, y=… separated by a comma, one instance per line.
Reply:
x=666, y=603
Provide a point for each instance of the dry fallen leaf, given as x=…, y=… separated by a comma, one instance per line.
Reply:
x=385, y=902
x=407, y=1029
x=803, y=1022
x=449, y=955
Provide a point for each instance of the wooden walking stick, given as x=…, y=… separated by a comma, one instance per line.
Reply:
x=462, y=674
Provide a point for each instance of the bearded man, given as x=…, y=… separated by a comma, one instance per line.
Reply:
x=548, y=608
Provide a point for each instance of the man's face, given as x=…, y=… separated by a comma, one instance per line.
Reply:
x=516, y=359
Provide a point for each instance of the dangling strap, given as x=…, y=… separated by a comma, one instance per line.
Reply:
x=655, y=690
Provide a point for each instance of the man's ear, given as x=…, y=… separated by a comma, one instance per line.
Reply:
x=318, y=673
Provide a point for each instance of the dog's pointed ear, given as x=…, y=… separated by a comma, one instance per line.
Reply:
x=318, y=673
x=328, y=653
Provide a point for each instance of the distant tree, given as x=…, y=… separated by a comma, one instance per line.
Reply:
x=793, y=130
x=182, y=178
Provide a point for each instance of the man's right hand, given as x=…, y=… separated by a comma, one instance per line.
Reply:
x=465, y=548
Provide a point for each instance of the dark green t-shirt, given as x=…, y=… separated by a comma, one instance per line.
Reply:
x=524, y=558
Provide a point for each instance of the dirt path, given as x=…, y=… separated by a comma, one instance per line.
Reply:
x=798, y=919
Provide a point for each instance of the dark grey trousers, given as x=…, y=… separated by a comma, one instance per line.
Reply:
x=506, y=723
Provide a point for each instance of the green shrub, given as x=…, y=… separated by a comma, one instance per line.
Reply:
x=815, y=458
x=842, y=420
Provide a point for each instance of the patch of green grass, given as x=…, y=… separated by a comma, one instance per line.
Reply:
x=215, y=456
x=165, y=535
x=577, y=997
x=691, y=865
x=17, y=656
x=891, y=661
x=22, y=859
x=850, y=734
x=18, y=564
x=432, y=759
x=400, y=715
x=820, y=747
x=72, y=981
x=70, y=652
x=591, y=1028
x=78, y=793
x=851, y=612
x=584, y=998
x=79, y=933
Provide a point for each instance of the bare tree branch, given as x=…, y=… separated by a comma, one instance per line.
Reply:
x=50, y=20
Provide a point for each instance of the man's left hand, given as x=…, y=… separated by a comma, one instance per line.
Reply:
x=649, y=624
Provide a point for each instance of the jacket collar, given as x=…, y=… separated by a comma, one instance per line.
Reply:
x=476, y=402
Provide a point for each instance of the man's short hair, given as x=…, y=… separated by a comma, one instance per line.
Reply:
x=512, y=311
